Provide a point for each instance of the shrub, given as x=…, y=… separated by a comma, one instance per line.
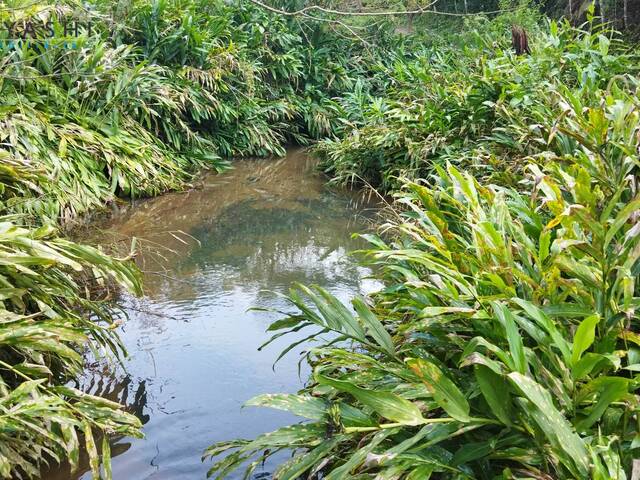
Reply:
x=52, y=312
x=471, y=102
x=503, y=344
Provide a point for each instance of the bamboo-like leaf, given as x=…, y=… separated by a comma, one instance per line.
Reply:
x=92, y=451
x=374, y=327
x=569, y=446
x=106, y=458
x=495, y=390
x=516, y=346
x=388, y=405
x=302, y=405
x=585, y=334
x=444, y=391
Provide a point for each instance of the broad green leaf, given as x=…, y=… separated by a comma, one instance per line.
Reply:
x=545, y=322
x=92, y=451
x=570, y=447
x=386, y=404
x=516, y=346
x=106, y=458
x=444, y=391
x=374, y=327
x=609, y=389
x=472, y=451
x=622, y=218
x=585, y=334
x=359, y=456
x=305, y=434
x=297, y=466
x=495, y=390
x=301, y=405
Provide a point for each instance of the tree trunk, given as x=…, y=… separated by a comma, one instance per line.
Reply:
x=625, y=14
x=519, y=40
x=466, y=8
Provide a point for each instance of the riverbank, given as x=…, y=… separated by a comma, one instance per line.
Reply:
x=504, y=341
x=131, y=102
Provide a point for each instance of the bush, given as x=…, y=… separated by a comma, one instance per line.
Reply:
x=52, y=311
x=471, y=102
x=503, y=344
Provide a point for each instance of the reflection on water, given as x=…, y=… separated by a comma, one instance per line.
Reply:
x=209, y=255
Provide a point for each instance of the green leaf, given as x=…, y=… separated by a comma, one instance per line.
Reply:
x=300, y=464
x=444, y=391
x=301, y=405
x=585, y=334
x=621, y=219
x=549, y=326
x=610, y=389
x=566, y=442
x=470, y=452
x=106, y=458
x=495, y=390
x=386, y=404
x=374, y=327
x=92, y=451
x=516, y=346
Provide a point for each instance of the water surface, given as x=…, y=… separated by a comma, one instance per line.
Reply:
x=209, y=255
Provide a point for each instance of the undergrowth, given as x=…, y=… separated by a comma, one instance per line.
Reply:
x=503, y=344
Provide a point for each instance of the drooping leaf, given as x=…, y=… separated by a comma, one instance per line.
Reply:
x=444, y=391
x=388, y=405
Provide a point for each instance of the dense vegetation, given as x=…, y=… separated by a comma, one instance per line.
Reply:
x=106, y=100
x=152, y=91
x=131, y=104
x=503, y=344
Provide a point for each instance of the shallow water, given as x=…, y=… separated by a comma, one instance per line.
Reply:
x=209, y=255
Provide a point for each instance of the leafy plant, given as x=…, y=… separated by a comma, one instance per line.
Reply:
x=503, y=344
x=471, y=102
x=51, y=312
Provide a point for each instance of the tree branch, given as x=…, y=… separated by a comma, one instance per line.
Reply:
x=420, y=10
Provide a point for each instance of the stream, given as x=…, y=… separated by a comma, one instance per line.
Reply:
x=208, y=255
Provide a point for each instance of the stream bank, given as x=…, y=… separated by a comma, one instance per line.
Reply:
x=208, y=255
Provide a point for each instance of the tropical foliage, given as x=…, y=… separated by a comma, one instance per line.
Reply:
x=504, y=343
x=471, y=102
x=147, y=93
x=100, y=101
x=52, y=294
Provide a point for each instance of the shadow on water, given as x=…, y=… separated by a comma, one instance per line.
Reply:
x=209, y=255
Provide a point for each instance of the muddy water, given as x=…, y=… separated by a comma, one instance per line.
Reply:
x=209, y=255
